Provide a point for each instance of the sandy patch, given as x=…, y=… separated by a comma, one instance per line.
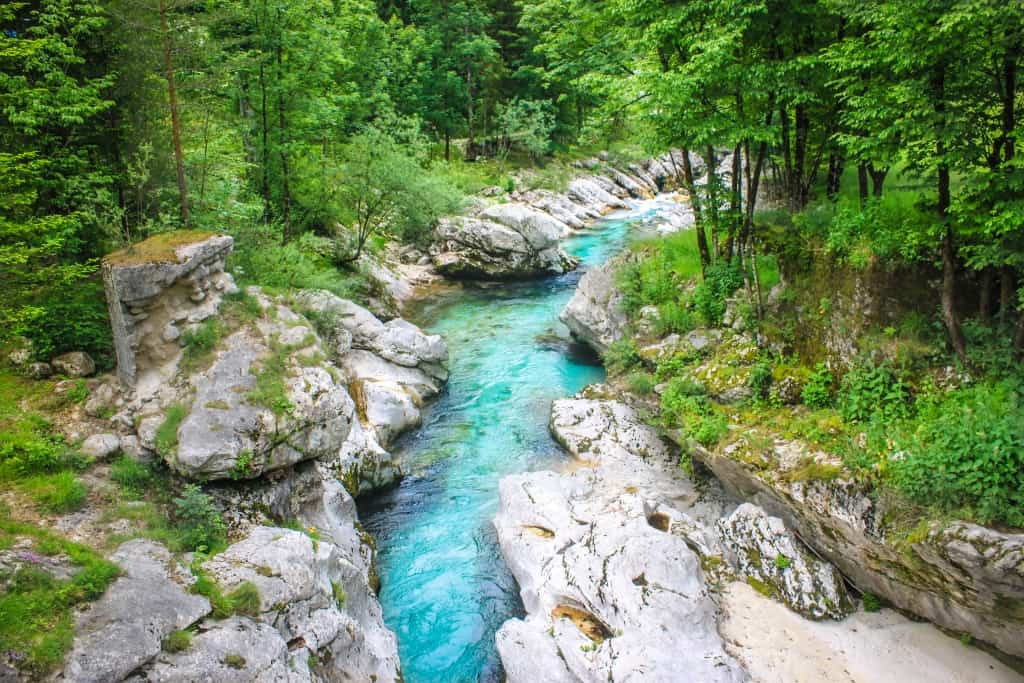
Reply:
x=778, y=646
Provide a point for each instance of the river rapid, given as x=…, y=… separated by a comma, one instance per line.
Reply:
x=445, y=589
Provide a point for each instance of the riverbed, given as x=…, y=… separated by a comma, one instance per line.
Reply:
x=445, y=590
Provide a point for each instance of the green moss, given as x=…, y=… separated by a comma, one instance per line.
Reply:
x=235, y=661
x=339, y=594
x=178, y=641
x=814, y=471
x=761, y=587
x=159, y=248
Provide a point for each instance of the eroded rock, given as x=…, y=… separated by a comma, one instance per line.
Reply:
x=594, y=315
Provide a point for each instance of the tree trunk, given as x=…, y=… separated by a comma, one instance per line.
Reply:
x=956, y=333
x=172, y=95
x=698, y=217
x=862, y=183
x=877, y=179
x=836, y=162
x=787, y=155
x=1006, y=292
x=447, y=146
x=985, y=294
x=800, y=185
x=265, y=156
x=286, y=196
x=712, y=190
x=735, y=201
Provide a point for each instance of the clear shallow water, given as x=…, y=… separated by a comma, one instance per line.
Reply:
x=445, y=589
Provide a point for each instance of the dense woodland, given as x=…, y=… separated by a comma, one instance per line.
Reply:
x=277, y=120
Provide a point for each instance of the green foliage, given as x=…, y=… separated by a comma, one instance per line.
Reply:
x=78, y=392
x=761, y=377
x=967, y=451
x=245, y=599
x=656, y=279
x=73, y=319
x=271, y=389
x=719, y=283
x=60, y=492
x=199, y=521
x=199, y=342
x=683, y=405
x=622, y=356
x=817, y=391
x=131, y=475
x=641, y=383
x=37, y=611
x=339, y=594
x=871, y=602
x=782, y=562
x=177, y=641
x=869, y=390
x=167, y=434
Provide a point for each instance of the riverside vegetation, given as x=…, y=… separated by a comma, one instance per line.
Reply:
x=854, y=278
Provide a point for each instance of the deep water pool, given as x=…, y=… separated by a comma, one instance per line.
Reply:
x=445, y=589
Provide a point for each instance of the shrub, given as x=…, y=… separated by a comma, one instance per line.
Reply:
x=26, y=451
x=245, y=599
x=641, y=383
x=817, y=391
x=869, y=390
x=201, y=526
x=967, y=451
x=622, y=356
x=75, y=319
x=760, y=382
x=719, y=283
x=675, y=316
x=199, y=342
x=685, y=406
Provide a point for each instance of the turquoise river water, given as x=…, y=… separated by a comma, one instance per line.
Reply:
x=445, y=589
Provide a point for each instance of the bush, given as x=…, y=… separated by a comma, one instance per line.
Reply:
x=622, y=356
x=177, y=641
x=684, y=405
x=201, y=526
x=873, y=390
x=720, y=281
x=967, y=451
x=641, y=383
x=817, y=391
x=761, y=377
x=199, y=342
x=76, y=320
x=26, y=452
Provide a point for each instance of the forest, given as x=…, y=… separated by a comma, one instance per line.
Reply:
x=312, y=125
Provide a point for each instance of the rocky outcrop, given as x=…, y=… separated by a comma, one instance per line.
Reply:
x=961, y=576
x=124, y=629
x=603, y=559
x=478, y=248
x=776, y=563
x=594, y=315
x=158, y=287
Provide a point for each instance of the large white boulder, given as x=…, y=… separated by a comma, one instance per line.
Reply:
x=594, y=315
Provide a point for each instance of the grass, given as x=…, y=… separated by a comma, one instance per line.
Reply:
x=271, y=389
x=199, y=344
x=36, y=609
x=132, y=476
x=60, y=492
x=167, y=434
x=244, y=599
x=339, y=594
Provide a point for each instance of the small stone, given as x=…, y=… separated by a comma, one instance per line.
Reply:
x=133, y=448
x=38, y=370
x=20, y=356
x=74, y=364
x=100, y=446
x=170, y=333
x=197, y=296
x=102, y=399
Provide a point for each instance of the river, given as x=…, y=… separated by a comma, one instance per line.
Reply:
x=445, y=589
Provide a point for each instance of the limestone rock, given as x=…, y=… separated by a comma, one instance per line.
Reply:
x=594, y=315
x=101, y=399
x=611, y=587
x=38, y=370
x=123, y=629
x=236, y=650
x=315, y=597
x=100, y=446
x=766, y=552
x=588, y=191
x=478, y=248
x=74, y=364
x=229, y=434
x=538, y=227
x=962, y=577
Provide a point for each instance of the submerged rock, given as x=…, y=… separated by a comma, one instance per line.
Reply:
x=611, y=587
